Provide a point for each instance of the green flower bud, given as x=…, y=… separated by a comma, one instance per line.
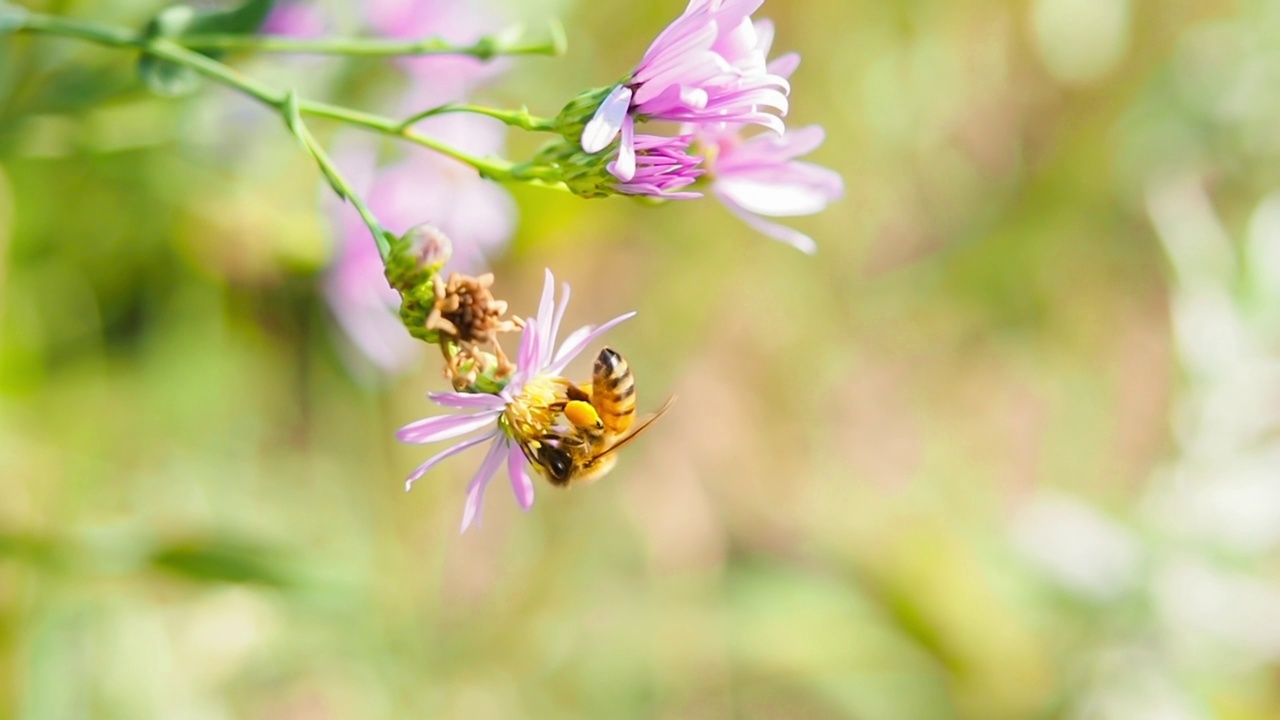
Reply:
x=429, y=245
x=585, y=174
x=415, y=259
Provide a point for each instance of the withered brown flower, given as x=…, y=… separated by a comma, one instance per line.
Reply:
x=468, y=318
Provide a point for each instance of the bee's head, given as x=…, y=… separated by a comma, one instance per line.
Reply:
x=556, y=462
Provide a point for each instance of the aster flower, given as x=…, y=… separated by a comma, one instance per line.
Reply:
x=709, y=65
x=760, y=176
x=522, y=405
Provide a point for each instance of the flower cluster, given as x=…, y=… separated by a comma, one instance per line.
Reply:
x=709, y=71
x=435, y=217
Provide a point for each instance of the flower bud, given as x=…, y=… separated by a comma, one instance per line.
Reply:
x=416, y=256
x=575, y=115
x=429, y=245
x=412, y=265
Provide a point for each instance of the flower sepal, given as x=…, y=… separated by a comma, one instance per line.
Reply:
x=487, y=380
x=585, y=174
x=579, y=111
x=411, y=266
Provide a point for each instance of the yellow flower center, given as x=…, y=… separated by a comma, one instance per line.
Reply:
x=530, y=414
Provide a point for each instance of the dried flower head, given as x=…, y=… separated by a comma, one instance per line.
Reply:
x=468, y=318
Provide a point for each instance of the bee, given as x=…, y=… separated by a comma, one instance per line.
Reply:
x=601, y=417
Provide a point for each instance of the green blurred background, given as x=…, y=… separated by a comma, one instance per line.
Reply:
x=1007, y=447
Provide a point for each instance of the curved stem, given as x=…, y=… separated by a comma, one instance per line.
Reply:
x=70, y=27
x=515, y=118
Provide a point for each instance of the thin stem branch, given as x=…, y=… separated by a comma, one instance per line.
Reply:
x=515, y=118
x=485, y=48
x=493, y=168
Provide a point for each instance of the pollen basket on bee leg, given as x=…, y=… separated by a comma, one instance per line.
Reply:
x=582, y=414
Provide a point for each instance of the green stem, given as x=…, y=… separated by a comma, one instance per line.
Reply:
x=497, y=169
x=485, y=48
x=516, y=118
x=69, y=27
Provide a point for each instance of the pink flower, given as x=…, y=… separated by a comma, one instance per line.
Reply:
x=760, y=176
x=294, y=18
x=708, y=66
x=539, y=363
x=663, y=165
x=437, y=79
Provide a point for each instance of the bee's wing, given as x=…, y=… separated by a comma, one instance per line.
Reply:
x=640, y=427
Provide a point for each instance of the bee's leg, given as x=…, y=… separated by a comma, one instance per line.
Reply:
x=575, y=392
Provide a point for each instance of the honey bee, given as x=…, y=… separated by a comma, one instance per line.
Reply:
x=601, y=420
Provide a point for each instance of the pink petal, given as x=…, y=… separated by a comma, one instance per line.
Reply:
x=801, y=141
x=794, y=238
x=605, y=124
x=683, y=34
x=764, y=34
x=475, y=490
x=466, y=400
x=784, y=65
x=527, y=355
x=769, y=152
x=546, y=308
x=624, y=168
x=775, y=199
x=521, y=485
x=581, y=338
x=424, y=467
x=696, y=40
x=555, y=324
x=443, y=427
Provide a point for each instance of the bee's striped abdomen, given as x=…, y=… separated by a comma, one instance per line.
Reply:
x=613, y=391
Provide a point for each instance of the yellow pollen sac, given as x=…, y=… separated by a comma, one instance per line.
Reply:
x=582, y=415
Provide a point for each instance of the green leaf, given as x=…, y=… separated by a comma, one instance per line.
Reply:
x=39, y=551
x=165, y=77
x=170, y=79
x=293, y=119
x=225, y=560
x=245, y=19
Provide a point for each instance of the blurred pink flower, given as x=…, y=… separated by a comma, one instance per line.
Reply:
x=437, y=79
x=538, y=364
x=478, y=216
x=760, y=176
x=296, y=19
x=708, y=66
